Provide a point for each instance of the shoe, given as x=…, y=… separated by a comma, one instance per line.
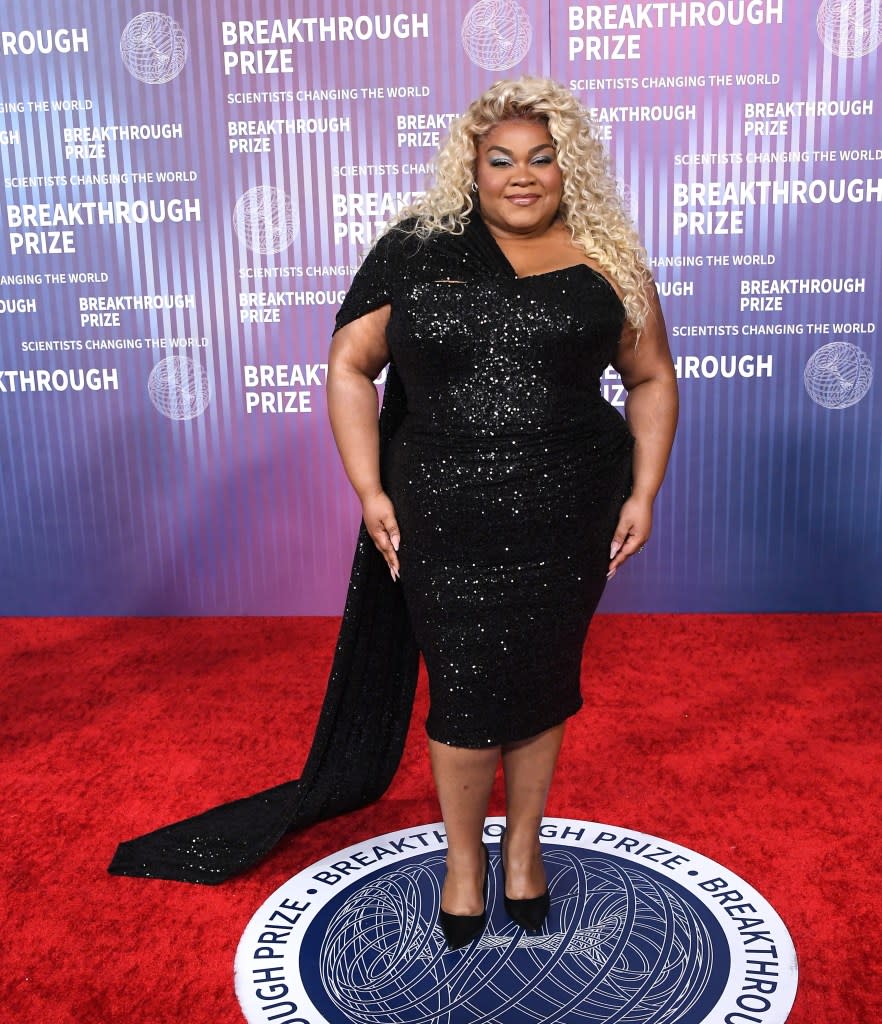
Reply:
x=529, y=913
x=460, y=929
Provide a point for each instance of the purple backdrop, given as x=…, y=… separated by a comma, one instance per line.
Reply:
x=188, y=191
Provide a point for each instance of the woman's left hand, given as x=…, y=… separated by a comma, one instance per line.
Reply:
x=632, y=532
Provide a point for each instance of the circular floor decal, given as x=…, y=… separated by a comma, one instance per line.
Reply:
x=641, y=931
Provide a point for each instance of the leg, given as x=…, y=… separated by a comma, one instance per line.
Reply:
x=463, y=779
x=529, y=767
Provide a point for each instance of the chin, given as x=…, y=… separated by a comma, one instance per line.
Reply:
x=525, y=223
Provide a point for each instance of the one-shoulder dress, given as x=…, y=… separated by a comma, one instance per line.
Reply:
x=507, y=469
x=507, y=472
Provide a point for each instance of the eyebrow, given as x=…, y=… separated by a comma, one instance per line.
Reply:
x=530, y=152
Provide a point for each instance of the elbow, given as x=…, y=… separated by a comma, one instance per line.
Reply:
x=663, y=381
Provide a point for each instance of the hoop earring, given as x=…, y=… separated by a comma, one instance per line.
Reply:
x=474, y=186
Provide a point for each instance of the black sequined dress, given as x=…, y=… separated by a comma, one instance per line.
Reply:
x=507, y=473
x=507, y=469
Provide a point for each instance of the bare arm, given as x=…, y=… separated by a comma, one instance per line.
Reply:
x=358, y=352
x=647, y=371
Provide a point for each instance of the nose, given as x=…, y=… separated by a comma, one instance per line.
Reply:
x=523, y=174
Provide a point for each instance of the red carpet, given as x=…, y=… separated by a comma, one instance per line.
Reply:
x=754, y=740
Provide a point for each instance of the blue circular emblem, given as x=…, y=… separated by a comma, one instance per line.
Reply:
x=640, y=932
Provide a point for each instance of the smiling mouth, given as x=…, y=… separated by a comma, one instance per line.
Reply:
x=523, y=200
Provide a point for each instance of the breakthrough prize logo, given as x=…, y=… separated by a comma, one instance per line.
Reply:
x=265, y=219
x=640, y=930
x=629, y=201
x=496, y=34
x=153, y=48
x=850, y=28
x=838, y=375
x=178, y=388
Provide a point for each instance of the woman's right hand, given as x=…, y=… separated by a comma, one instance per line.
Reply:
x=379, y=518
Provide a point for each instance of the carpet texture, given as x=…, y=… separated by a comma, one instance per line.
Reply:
x=754, y=740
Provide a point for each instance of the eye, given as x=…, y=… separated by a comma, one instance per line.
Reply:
x=499, y=161
x=543, y=159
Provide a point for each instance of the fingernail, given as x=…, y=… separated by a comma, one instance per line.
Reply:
x=395, y=542
x=611, y=573
x=391, y=572
x=614, y=549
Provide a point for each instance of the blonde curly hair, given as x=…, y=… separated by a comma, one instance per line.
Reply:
x=591, y=205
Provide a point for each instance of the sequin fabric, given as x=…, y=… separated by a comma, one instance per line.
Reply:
x=507, y=469
x=507, y=474
x=357, y=743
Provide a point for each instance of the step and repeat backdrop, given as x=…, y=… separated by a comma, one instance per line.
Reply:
x=189, y=187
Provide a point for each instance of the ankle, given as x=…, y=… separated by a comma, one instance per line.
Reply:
x=523, y=869
x=522, y=846
x=465, y=858
x=464, y=890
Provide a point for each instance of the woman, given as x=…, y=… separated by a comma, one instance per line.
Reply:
x=511, y=491
x=504, y=502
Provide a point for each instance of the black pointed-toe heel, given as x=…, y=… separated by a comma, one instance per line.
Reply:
x=460, y=929
x=529, y=913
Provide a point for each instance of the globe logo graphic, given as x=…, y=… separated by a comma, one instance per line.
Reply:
x=617, y=937
x=179, y=388
x=838, y=375
x=153, y=48
x=850, y=28
x=265, y=219
x=640, y=931
x=630, y=202
x=496, y=34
